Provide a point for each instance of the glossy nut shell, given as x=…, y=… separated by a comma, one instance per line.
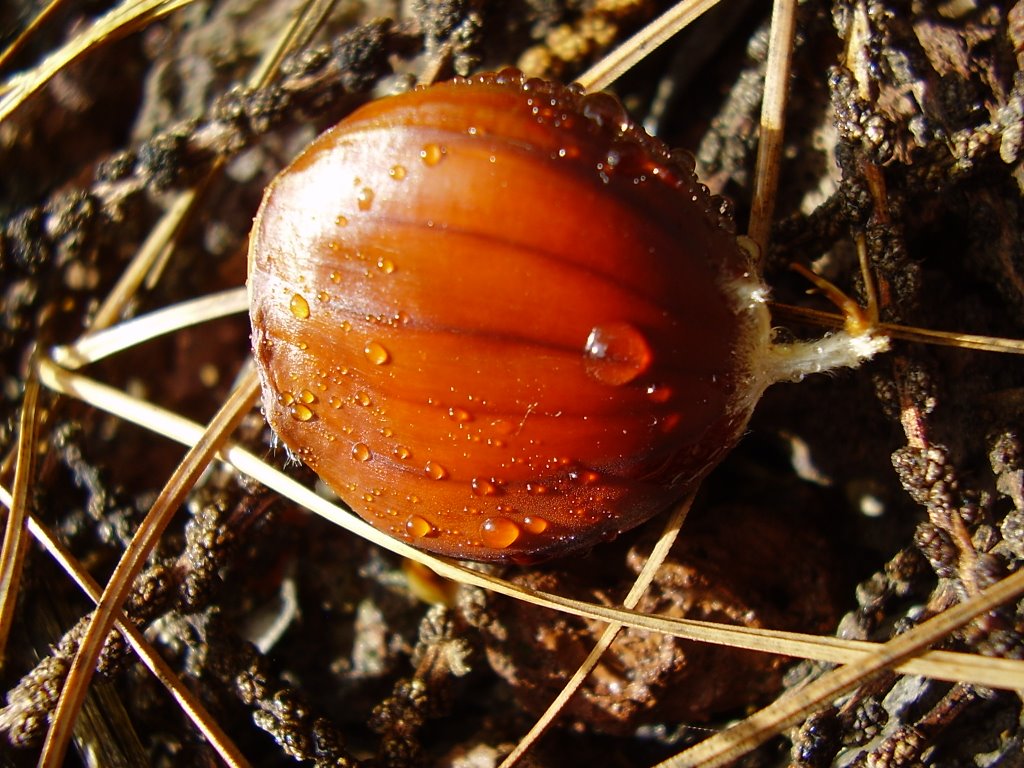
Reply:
x=500, y=321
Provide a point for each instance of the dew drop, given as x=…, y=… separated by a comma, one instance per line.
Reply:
x=365, y=199
x=535, y=525
x=307, y=397
x=335, y=277
x=537, y=489
x=397, y=172
x=376, y=353
x=484, y=487
x=417, y=527
x=387, y=266
x=363, y=399
x=361, y=452
x=461, y=415
x=659, y=393
x=435, y=470
x=432, y=154
x=605, y=110
x=499, y=532
x=301, y=412
x=334, y=402
x=616, y=353
x=341, y=221
x=299, y=307
x=402, y=452
x=286, y=398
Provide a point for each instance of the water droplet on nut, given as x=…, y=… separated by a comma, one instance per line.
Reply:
x=616, y=353
x=435, y=470
x=376, y=353
x=432, y=154
x=499, y=532
x=418, y=527
x=298, y=306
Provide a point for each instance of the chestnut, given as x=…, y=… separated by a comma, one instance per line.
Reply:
x=501, y=321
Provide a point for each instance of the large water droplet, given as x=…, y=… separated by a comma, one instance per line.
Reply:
x=397, y=172
x=616, y=353
x=385, y=265
x=435, y=470
x=498, y=532
x=301, y=412
x=432, y=153
x=361, y=452
x=418, y=527
x=376, y=353
x=535, y=525
x=299, y=307
x=307, y=397
x=605, y=110
x=484, y=487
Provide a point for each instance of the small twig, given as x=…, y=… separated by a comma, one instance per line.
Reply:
x=640, y=45
x=189, y=703
x=149, y=532
x=773, y=121
x=790, y=708
x=15, y=539
x=640, y=586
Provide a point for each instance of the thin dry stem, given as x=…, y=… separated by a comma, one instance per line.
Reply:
x=205, y=723
x=26, y=34
x=640, y=45
x=307, y=21
x=154, y=250
x=15, y=538
x=96, y=346
x=118, y=22
x=773, y=121
x=170, y=499
x=792, y=707
x=970, y=341
x=640, y=586
x=998, y=673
